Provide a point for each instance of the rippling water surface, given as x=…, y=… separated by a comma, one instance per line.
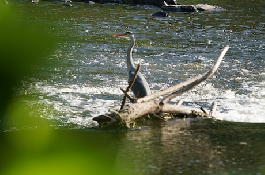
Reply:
x=82, y=77
x=84, y=74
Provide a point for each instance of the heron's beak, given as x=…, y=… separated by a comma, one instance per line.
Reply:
x=120, y=35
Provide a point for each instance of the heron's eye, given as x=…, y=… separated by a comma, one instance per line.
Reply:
x=128, y=33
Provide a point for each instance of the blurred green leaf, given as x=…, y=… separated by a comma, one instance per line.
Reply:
x=22, y=46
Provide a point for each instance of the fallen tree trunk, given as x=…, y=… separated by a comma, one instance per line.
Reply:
x=150, y=105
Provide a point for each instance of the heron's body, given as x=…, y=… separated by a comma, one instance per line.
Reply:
x=140, y=87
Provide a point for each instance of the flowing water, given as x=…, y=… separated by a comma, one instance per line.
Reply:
x=84, y=74
x=82, y=77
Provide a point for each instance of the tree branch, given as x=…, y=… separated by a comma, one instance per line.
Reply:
x=200, y=79
x=148, y=105
x=130, y=85
x=132, y=100
x=185, y=86
x=213, y=109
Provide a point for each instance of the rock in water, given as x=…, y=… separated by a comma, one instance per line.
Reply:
x=160, y=14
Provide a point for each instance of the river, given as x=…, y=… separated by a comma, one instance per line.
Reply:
x=82, y=77
x=88, y=67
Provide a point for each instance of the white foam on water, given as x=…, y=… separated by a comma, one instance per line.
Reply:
x=76, y=104
x=231, y=105
x=244, y=107
x=79, y=104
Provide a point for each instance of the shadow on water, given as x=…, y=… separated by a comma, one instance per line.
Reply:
x=196, y=147
x=186, y=146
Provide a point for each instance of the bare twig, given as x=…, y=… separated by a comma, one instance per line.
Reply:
x=213, y=109
x=203, y=110
x=130, y=85
x=180, y=102
x=128, y=96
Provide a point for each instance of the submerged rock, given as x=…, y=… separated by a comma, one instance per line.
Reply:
x=160, y=14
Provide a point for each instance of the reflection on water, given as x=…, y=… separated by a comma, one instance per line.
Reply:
x=188, y=146
x=194, y=147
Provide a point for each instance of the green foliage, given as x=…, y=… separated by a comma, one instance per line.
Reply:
x=54, y=152
x=21, y=47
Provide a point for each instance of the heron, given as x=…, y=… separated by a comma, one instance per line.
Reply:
x=140, y=87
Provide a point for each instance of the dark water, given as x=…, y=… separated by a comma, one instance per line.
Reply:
x=195, y=147
x=175, y=147
x=82, y=76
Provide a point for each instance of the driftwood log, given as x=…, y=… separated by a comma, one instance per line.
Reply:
x=152, y=106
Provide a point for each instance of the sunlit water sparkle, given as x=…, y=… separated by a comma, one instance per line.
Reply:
x=88, y=68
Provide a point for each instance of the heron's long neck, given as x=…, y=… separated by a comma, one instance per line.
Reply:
x=130, y=63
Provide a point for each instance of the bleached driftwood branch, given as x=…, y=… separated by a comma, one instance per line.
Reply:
x=129, y=87
x=151, y=105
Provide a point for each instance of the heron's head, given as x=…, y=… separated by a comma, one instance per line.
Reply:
x=125, y=35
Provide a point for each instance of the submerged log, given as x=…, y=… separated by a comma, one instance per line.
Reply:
x=150, y=105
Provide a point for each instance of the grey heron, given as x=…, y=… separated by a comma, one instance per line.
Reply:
x=140, y=87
